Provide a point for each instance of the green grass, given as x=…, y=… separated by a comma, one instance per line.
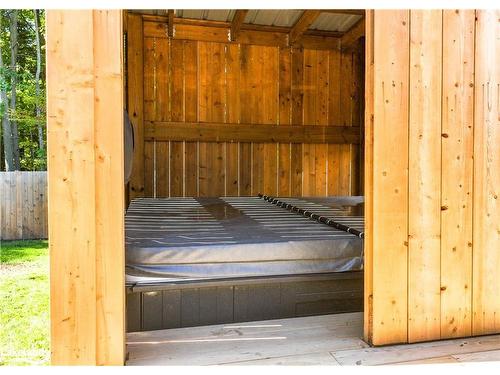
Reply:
x=24, y=303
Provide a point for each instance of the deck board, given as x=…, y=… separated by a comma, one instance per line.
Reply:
x=313, y=359
x=417, y=352
x=319, y=340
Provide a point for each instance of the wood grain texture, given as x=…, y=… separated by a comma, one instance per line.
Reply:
x=232, y=117
x=232, y=343
x=457, y=176
x=486, y=257
x=315, y=103
x=390, y=177
x=424, y=177
x=296, y=178
x=23, y=205
x=253, y=34
x=302, y=24
x=268, y=133
x=284, y=118
x=451, y=212
x=255, y=80
x=212, y=101
x=191, y=114
x=109, y=187
x=346, y=156
x=162, y=170
x=334, y=117
x=351, y=37
x=237, y=21
x=86, y=191
x=71, y=172
x=135, y=105
x=368, y=177
x=177, y=113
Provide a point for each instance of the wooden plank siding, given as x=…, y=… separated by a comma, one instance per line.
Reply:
x=196, y=81
x=424, y=176
x=486, y=214
x=390, y=177
x=457, y=174
x=23, y=205
x=432, y=172
x=85, y=186
x=138, y=102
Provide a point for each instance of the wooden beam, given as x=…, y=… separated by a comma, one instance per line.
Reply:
x=318, y=42
x=222, y=132
x=350, y=38
x=220, y=35
x=324, y=33
x=307, y=18
x=238, y=19
x=170, y=21
x=359, y=12
x=86, y=189
x=227, y=25
x=263, y=38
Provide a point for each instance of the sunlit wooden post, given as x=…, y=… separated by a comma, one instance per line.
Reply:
x=86, y=186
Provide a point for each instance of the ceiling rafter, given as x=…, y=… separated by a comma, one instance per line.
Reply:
x=358, y=12
x=303, y=23
x=237, y=22
x=301, y=27
x=352, y=35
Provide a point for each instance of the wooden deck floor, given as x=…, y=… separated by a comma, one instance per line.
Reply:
x=320, y=340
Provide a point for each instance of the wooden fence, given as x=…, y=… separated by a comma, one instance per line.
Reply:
x=23, y=205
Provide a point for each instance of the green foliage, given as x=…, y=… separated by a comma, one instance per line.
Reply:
x=32, y=157
x=24, y=303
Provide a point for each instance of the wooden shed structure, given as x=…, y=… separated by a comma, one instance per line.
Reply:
x=401, y=106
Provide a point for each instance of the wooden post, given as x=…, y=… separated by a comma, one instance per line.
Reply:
x=238, y=19
x=85, y=182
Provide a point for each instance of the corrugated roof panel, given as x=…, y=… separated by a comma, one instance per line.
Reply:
x=190, y=13
x=273, y=17
x=224, y=15
x=335, y=22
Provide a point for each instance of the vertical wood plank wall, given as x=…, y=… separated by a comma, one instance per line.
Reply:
x=176, y=80
x=85, y=186
x=486, y=199
x=432, y=175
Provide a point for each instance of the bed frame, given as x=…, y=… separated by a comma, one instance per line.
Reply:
x=195, y=303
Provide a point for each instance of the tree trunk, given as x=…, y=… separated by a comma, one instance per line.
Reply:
x=41, y=138
x=13, y=83
x=6, y=128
